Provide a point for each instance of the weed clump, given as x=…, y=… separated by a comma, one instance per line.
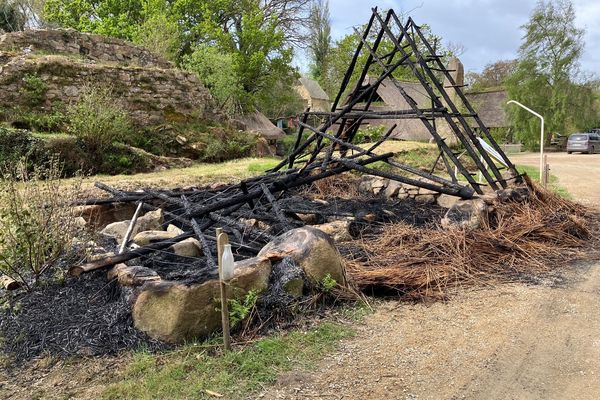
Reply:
x=97, y=119
x=36, y=222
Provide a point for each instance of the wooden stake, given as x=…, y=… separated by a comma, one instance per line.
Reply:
x=131, y=226
x=222, y=240
x=546, y=172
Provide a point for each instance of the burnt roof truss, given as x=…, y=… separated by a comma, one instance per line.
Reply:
x=390, y=45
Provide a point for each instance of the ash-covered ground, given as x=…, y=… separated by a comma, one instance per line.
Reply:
x=91, y=316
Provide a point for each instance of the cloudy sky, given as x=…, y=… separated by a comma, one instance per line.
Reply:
x=488, y=29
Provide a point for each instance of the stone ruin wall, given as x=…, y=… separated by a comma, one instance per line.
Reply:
x=87, y=46
x=151, y=89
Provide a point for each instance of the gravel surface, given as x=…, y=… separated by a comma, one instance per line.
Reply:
x=508, y=342
x=578, y=173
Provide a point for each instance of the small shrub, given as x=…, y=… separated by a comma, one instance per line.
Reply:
x=97, y=119
x=227, y=146
x=17, y=143
x=327, y=284
x=240, y=310
x=369, y=134
x=36, y=223
x=53, y=121
x=34, y=89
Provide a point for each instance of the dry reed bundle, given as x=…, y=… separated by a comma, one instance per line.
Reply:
x=343, y=186
x=521, y=238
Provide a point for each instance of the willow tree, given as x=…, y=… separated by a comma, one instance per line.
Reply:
x=547, y=74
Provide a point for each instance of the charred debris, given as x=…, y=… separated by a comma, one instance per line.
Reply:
x=329, y=150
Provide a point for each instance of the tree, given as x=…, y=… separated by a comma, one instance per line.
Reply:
x=547, y=74
x=319, y=42
x=217, y=71
x=493, y=75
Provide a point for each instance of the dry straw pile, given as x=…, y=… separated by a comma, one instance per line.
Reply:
x=520, y=239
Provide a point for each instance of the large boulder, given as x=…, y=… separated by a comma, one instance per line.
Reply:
x=467, y=214
x=175, y=312
x=312, y=249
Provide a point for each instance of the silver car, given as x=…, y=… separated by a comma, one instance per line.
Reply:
x=587, y=143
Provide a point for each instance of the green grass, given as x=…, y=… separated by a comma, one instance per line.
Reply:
x=197, y=174
x=534, y=174
x=188, y=372
x=262, y=165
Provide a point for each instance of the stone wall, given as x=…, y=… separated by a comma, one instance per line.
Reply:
x=142, y=84
x=390, y=189
x=86, y=46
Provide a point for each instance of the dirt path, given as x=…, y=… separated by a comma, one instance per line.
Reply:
x=578, y=173
x=508, y=342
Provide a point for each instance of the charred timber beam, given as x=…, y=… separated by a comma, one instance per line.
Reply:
x=391, y=114
x=232, y=222
x=464, y=140
x=439, y=140
x=463, y=192
x=298, y=138
x=274, y=206
x=285, y=183
x=199, y=235
x=352, y=65
x=433, y=178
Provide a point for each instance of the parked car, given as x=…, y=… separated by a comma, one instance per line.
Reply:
x=583, y=142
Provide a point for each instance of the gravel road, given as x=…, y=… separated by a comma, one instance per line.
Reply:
x=578, y=173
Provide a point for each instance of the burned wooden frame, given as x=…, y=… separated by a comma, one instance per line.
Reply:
x=324, y=153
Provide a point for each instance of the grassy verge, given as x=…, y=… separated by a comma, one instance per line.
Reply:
x=198, y=174
x=194, y=371
x=534, y=174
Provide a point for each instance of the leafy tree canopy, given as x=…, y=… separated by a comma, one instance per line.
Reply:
x=493, y=75
x=343, y=51
x=253, y=38
x=547, y=77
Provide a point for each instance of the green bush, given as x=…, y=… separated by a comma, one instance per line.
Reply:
x=17, y=143
x=220, y=145
x=34, y=89
x=97, y=119
x=36, y=221
x=53, y=121
x=369, y=134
